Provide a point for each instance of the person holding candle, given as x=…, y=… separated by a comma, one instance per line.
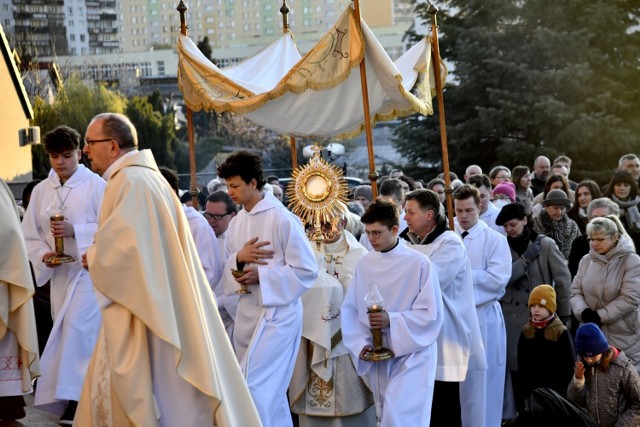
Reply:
x=408, y=312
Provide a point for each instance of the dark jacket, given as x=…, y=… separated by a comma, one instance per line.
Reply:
x=547, y=268
x=545, y=357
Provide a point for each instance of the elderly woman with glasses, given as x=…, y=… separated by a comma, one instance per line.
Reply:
x=606, y=289
x=499, y=174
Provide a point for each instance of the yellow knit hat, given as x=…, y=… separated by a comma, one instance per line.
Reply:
x=544, y=296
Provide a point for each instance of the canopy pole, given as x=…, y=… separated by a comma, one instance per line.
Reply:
x=285, y=29
x=193, y=186
x=373, y=175
x=435, y=58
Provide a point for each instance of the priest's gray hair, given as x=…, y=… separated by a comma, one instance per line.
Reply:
x=120, y=128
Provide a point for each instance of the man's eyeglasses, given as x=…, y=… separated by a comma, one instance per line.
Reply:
x=217, y=217
x=90, y=142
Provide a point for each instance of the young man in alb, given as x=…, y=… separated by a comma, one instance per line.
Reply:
x=490, y=258
x=76, y=192
x=403, y=385
x=268, y=244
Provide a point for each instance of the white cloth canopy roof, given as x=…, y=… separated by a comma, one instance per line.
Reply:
x=318, y=95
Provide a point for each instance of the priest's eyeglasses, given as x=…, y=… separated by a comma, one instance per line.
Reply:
x=216, y=217
x=90, y=142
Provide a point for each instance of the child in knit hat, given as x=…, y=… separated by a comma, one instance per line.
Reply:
x=605, y=384
x=545, y=350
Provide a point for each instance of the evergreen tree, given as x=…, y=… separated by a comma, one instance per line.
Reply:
x=535, y=77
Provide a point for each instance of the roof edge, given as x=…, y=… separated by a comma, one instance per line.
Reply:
x=7, y=54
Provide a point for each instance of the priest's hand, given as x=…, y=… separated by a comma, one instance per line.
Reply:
x=252, y=252
x=62, y=229
x=365, y=349
x=46, y=257
x=379, y=320
x=250, y=277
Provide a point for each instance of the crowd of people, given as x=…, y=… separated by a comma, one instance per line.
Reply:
x=525, y=310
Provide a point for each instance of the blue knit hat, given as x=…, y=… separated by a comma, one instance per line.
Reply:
x=590, y=341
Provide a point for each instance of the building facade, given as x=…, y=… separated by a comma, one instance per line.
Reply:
x=86, y=27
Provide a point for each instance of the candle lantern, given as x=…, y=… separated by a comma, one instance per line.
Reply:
x=375, y=302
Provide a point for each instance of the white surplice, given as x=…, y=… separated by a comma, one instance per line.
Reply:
x=268, y=322
x=490, y=258
x=402, y=386
x=74, y=309
x=206, y=244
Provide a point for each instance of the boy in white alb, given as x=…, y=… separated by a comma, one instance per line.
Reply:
x=77, y=192
x=267, y=243
x=403, y=385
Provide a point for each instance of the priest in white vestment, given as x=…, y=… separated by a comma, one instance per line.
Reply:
x=402, y=386
x=162, y=357
x=18, y=337
x=325, y=390
x=489, y=254
x=77, y=192
x=268, y=244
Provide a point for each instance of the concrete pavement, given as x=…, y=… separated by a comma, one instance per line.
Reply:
x=34, y=418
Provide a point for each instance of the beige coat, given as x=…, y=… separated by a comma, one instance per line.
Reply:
x=610, y=285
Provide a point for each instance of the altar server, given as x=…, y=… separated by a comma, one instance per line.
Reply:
x=268, y=245
x=490, y=258
x=403, y=385
x=76, y=192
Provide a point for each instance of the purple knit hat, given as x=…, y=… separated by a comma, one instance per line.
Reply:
x=506, y=188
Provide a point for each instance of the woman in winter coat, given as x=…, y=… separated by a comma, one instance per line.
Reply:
x=536, y=259
x=605, y=383
x=606, y=289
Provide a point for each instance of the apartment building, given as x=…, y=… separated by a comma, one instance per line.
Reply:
x=87, y=27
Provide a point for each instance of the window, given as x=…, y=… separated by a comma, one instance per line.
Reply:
x=72, y=37
x=161, y=68
x=82, y=38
